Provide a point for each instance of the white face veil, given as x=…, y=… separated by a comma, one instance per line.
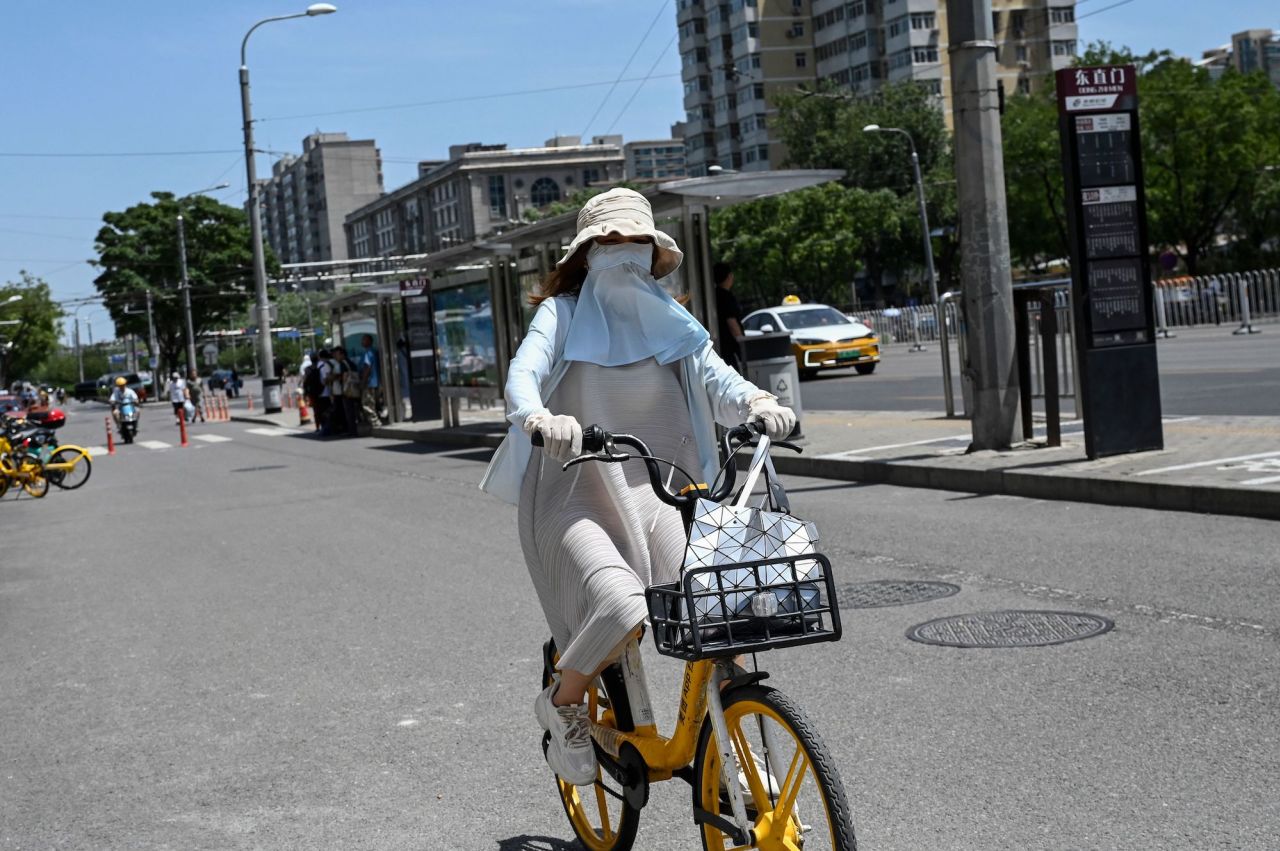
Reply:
x=625, y=316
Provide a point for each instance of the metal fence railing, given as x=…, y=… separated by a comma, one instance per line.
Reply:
x=1238, y=300
x=1232, y=298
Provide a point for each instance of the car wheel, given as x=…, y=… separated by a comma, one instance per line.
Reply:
x=865, y=368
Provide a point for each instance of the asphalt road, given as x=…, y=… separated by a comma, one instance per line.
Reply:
x=276, y=642
x=1202, y=371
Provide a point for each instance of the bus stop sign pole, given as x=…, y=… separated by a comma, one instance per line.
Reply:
x=1119, y=383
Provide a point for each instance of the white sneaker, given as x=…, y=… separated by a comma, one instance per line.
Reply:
x=570, y=753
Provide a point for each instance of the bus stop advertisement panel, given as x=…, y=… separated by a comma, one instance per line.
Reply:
x=1119, y=385
x=420, y=340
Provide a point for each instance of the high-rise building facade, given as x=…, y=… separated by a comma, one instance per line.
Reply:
x=307, y=198
x=737, y=55
x=1251, y=50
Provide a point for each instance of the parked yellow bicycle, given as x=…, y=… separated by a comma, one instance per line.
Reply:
x=21, y=470
x=761, y=775
x=66, y=465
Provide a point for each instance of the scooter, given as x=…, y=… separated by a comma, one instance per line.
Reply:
x=128, y=420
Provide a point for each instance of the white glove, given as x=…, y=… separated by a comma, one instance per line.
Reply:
x=778, y=421
x=561, y=434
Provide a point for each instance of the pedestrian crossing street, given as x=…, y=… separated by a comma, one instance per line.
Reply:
x=209, y=439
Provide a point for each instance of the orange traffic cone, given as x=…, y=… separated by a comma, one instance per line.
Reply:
x=304, y=414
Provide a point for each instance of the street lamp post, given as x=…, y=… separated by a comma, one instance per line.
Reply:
x=924, y=223
x=270, y=389
x=186, y=284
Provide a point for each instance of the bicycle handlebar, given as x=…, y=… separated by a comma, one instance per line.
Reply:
x=597, y=444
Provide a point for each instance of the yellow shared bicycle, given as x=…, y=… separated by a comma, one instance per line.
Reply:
x=66, y=465
x=760, y=774
x=19, y=469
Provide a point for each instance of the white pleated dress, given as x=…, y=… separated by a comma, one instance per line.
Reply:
x=596, y=536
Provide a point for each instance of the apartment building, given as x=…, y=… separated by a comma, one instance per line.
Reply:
x=307, y=198
x=654, y=159
x=736, y=55
x=478, y=190
x=1251, y=50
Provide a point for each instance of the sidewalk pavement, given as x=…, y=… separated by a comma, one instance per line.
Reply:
x=1210, y=464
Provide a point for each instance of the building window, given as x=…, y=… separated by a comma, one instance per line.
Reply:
x=925, y=21
x=1018, y=22
x=1064, y=48
x=801, y=60
x=592, y=175
x=897, y=26
x=1062, y=15
x=543, y=192
x=995, y=24
x=497, y=195
x=924, y=55
x=1024, y=85
x=1020, y=53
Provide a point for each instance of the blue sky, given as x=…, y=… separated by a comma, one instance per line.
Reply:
x=151, y=76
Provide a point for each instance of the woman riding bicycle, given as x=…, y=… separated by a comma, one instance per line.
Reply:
x=609, y=345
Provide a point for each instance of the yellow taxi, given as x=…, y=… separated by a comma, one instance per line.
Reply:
x=821, y=336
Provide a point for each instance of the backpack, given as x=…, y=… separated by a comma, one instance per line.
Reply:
x=311, y=384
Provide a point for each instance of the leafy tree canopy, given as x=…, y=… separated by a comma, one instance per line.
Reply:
x=33, y=336
x=138, y=253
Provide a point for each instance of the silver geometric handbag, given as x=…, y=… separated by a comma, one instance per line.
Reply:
x=743, y=534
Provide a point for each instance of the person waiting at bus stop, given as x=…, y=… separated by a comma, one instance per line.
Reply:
x=608, y=345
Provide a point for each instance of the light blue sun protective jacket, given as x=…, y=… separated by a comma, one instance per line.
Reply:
x=715, y=392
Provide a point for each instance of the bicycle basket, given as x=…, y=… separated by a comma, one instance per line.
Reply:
x=745, y=607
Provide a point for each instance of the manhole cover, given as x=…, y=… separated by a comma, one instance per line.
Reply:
x=893, y=592
x=1009, y=629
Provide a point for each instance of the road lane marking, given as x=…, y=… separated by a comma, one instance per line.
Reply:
x=273, y=431
x=1208, y=463
x=154, y=444
x=1267, y=480
x=95, y=451
x=211, y=438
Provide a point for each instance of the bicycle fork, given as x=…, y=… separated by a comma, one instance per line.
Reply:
x=728, y=755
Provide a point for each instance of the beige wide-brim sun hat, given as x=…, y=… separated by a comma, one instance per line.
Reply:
x=626, y=213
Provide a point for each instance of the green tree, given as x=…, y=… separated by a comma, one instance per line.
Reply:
x=1205, y=148
x=824, y=129
x=138, y=253
x=1033, y=180
x=31, y=329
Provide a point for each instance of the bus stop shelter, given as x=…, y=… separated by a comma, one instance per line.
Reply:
x=446, y=330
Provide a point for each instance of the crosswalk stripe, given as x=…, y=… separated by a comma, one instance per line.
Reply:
x=272, y=431
x=211, y=438
x=95, y=451
x=154, y=444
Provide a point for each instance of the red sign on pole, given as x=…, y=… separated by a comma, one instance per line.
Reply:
x=1097, y=89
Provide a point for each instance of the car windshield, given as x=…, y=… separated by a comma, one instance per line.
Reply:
x=814, y=317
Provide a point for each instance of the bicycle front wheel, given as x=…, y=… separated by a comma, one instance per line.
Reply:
x=31, y=471
x=78, y=468
x=791, y=788
x=599, y=814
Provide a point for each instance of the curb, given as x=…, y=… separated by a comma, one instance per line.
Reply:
x=1199, y=499
x=236, y=418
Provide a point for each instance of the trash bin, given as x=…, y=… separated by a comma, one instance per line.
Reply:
x=271, y=401
x=769, y=363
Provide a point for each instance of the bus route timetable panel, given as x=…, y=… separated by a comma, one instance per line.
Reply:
x=1110, y=221
x=1105, y=149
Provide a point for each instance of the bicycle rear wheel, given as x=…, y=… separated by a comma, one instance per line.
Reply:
x=794, y=794
x=81, y=467
x=599, y=814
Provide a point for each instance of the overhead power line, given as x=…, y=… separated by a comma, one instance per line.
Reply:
x=94, y=154
x=662, y=7
x=646, y=79
x=461, y=99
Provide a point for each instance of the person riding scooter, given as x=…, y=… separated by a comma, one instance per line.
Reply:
x=124, y=408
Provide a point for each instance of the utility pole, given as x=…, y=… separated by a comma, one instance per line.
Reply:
x=186, y=295
x=155, y=351
x=986, y=282
x=79, y=351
